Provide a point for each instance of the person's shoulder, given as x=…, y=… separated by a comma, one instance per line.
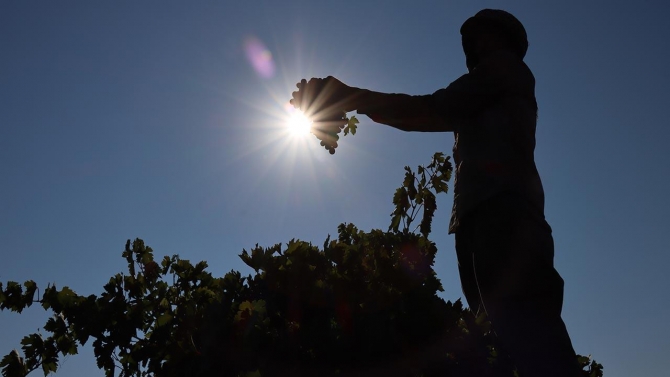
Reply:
x=508, y=67
x=502, y=60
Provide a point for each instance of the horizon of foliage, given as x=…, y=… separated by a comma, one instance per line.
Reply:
x=363, y=304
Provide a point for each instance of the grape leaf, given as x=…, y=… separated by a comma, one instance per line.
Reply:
x=351, y=126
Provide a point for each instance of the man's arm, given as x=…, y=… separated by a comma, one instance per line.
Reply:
x=444, y=110
x=402, y=111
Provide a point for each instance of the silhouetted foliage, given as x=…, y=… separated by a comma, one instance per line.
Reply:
x=365, y=304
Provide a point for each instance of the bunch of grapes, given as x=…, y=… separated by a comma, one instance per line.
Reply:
x=327, y=125
x=327, y=121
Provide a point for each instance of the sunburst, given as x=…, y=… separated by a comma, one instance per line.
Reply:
x=298, y=124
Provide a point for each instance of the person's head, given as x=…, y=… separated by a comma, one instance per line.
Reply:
x=490, y=30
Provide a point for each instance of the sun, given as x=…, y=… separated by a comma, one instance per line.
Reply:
x=298, y=124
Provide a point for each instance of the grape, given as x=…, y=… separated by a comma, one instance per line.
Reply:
x=327, y=123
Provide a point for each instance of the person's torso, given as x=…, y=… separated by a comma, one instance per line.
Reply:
x=494, y=152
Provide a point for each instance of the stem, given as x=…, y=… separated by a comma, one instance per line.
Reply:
x=417, y=227
x=37, y=365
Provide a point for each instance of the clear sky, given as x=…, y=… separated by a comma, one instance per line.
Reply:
x=148, y=119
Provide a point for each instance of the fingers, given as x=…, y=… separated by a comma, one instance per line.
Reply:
x=296, y=101
x=311, y=95
x=318, y=92
x=305, y=94
x=301, y=84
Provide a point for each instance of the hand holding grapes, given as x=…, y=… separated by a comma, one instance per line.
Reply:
x=326, y=102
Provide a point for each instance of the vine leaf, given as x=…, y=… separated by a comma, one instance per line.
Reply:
x=351, y=126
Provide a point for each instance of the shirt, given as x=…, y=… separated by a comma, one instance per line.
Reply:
x=492, y=112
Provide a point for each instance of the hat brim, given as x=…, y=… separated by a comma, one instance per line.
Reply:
x=476, y=24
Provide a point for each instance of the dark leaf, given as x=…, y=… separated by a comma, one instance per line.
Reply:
x=12, y=365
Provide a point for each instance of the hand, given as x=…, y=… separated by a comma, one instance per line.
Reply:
x=323, y=95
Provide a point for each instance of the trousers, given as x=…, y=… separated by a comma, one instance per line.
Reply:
x=505, y=255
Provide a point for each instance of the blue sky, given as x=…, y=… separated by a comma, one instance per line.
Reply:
x=146, y=119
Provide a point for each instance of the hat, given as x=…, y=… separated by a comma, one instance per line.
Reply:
x=499, y=21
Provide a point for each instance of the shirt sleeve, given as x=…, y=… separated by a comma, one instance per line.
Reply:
x=444, y=110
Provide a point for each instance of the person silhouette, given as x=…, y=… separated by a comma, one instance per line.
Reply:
x=504, y=245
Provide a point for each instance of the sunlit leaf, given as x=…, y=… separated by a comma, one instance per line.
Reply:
x=163, y=319
x=66, y=297
x=351, y=126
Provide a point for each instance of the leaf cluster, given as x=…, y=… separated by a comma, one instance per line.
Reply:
x=417, y=195
x=363, y=304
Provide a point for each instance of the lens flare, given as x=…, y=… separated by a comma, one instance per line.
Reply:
x=259, y=57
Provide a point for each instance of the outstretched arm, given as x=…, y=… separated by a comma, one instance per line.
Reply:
x=444, y=110
x=403, y=111
x=409, y=113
